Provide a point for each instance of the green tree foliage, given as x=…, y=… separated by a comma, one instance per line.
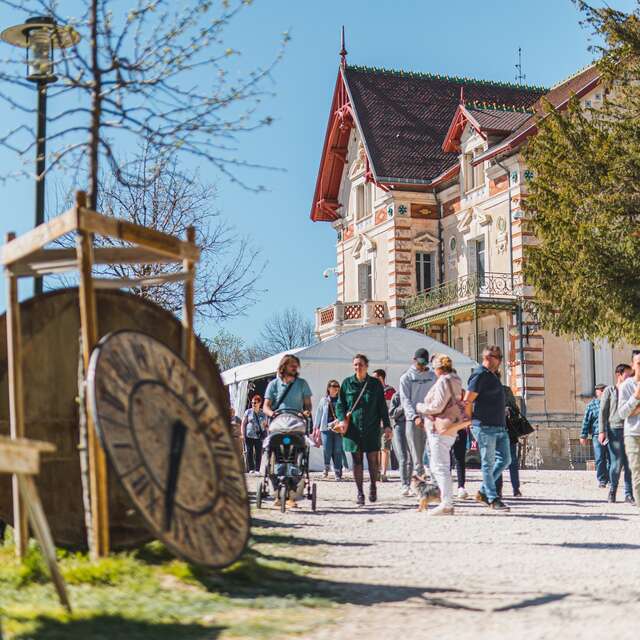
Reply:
x=584, y=198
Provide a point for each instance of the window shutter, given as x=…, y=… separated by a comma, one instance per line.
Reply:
x=364, y=281
x=472, y=256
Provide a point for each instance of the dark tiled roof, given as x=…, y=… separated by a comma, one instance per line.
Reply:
x=405, y=116
x=557, y=96
x=499, y=120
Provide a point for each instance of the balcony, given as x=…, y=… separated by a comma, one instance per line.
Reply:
x=495, y=290
x=342, y=316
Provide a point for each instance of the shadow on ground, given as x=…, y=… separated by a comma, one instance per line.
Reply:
x=111, y=627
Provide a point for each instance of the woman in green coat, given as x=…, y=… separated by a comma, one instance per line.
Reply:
x=362, y=399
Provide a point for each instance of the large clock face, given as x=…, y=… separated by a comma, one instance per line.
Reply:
x=170, y=446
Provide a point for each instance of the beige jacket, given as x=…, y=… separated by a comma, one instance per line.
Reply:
x=439, y=395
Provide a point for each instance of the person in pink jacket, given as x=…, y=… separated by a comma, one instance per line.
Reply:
x=434, y=403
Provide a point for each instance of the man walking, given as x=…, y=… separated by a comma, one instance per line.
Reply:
x=486, y=405
x=629, y=410
x=612, y=429
x=385, y=440
x=414, y=384
x=590, y=429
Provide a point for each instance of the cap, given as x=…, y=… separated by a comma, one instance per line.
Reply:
x=600, y=387
x=421, y=356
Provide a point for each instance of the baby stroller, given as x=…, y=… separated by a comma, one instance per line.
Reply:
x=287, y=451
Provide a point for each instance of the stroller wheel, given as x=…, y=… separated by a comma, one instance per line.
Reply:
x=314, y=496
x=259, y=494
x=283, y=498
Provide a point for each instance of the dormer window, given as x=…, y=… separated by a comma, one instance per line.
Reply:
x=473, y=176
x=362, y=200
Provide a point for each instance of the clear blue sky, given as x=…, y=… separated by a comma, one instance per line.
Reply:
x=458, y=37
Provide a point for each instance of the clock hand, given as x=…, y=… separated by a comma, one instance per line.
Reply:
x=178, y=436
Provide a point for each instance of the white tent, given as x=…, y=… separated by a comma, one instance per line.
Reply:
x=387, y=348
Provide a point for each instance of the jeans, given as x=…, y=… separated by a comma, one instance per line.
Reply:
x=332, y=447
x=618, y=461
x=401, y=449
x=416, y=439
x=602, y=460
x=460, y=453
x=440, y=447
x=495, y=456
x=632, y=447
x=514, y=471
x=254, y=453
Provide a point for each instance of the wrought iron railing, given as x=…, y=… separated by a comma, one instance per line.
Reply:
x=465, y=288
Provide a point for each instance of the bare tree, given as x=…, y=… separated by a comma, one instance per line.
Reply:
x=228, y=349
x=171, y=201
x=284, y=330
x=159, y=73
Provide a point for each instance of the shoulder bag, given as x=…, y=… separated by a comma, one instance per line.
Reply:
x=453, y=417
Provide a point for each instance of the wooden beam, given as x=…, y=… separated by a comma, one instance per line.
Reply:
x=38, y=238
x=89, y=329
x=56, y=260
x=142, y=281
x=16, y=401
x=150, y=238
x=188, y=335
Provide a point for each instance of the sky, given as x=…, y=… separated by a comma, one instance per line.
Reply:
x=457, y=37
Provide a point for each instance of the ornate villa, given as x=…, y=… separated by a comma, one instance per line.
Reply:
x=422, y=178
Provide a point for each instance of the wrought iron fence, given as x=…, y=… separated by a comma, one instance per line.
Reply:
x=464, y=288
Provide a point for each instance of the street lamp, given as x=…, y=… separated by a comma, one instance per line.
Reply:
x=40, y=36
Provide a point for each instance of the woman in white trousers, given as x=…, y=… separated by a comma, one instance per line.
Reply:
x=434, y=403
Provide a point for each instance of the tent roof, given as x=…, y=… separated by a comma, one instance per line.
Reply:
x=388, y=345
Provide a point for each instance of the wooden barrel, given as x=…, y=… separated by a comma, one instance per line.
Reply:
x=50, y=329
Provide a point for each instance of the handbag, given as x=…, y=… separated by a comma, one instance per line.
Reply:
x=519, y=425
x=453, y=417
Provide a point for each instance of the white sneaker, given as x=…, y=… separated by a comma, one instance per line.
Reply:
x=405, y=491
x=441, y=510
x=462, y=493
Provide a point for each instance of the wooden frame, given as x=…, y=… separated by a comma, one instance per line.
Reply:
x=27, y=256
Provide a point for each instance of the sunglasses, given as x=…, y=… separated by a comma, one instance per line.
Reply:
x=334, y=386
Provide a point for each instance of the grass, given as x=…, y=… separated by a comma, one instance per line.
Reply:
x=147, y=593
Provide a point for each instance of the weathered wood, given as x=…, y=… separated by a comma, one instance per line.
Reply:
x=19, y=460
x=42, y=532
x=143, y=236
x=46, y=261
x=188, y=339
x=16, y=400
x=142, y=281
x=51, y=323
x=37, y=238
x=97, y=462
x=171, y=447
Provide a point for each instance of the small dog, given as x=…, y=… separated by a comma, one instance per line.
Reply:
x=427, y=492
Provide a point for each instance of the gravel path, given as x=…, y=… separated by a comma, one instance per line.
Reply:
x=564, y=563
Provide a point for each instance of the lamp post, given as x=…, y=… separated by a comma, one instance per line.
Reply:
x=39, y=36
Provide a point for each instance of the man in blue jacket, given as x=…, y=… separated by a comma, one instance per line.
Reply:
x=590, y=429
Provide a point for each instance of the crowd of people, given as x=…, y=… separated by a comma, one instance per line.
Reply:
x=366, y=418
x=431, y=422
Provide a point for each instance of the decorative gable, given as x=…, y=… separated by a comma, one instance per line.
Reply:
x=363, y=247
x=426, y=238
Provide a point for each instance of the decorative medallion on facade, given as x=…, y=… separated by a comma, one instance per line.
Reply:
x=501, y=224
x=402, y=209
x=528, y=175
x=390, y=211
x=481, y=216
x=514, y=177
x=453, y=243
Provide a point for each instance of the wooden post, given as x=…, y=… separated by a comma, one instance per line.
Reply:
x=89, y=328
x=188, y=335
x=16, y=402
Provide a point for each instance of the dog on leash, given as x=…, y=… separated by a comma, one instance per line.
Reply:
x=427, y=492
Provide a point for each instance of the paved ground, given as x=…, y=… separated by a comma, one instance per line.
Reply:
x=563, y=564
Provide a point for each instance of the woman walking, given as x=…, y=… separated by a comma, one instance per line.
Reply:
x=448, y=386
x=361, y=408
x=326, y=418
x=253, y=429
x=460, y=457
